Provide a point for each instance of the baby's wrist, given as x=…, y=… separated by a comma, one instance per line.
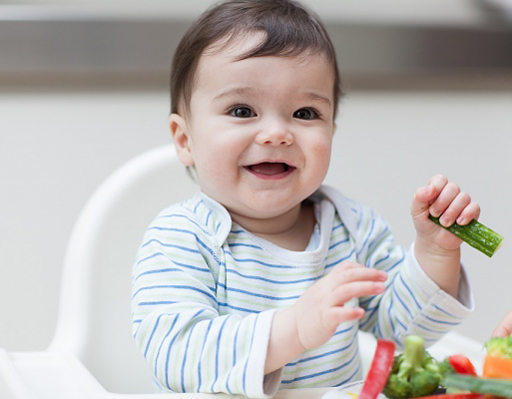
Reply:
x=424, y=248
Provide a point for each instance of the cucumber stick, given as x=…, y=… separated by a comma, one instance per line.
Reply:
x=490, y=386
x=475, y=234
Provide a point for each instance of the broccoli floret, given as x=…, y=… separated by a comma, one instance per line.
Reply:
x=414, y=373
x=500, y=347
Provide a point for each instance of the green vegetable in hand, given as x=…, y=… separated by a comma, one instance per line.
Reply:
x=475, y=234
x=415, y=373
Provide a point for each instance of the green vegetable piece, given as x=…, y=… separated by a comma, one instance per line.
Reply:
x=414, y=373
x=475, y=234
x=492, y=386
x=500, y=347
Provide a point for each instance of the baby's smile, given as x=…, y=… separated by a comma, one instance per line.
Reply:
x=274, y=170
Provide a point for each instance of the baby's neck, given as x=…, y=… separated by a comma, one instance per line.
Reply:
x=291, y=230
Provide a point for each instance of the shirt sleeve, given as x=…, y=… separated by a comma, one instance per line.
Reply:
x=176, y=321
x=412, y=304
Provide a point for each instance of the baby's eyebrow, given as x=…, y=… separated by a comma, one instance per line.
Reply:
x=237, y=91
x=319, y=97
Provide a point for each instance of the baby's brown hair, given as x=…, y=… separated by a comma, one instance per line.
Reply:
x=290, y=29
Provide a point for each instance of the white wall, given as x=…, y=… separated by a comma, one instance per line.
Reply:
x=57, y=146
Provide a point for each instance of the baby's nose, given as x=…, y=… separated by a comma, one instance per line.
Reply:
x=275, y=137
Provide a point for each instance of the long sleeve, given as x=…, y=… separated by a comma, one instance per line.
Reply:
x=412, y=302
x=176, y=321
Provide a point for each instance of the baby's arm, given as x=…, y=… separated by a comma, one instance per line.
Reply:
x=504, y=329
x=313, y=319
x=177, y=321
x=436, y=249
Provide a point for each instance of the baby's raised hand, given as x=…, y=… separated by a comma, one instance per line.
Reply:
x=444, y=199
x=321, y=308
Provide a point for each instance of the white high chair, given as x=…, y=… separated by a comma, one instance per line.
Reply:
x=93, y=354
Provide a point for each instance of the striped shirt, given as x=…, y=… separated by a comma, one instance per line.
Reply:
x=205, y=291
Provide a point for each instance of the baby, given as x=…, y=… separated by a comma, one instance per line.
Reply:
x=263, y=279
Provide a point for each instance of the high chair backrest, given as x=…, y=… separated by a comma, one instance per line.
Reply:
x=94, y=321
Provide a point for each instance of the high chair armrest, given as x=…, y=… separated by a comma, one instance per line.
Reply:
x=45, y=375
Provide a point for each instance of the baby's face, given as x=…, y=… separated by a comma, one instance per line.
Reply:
x=260, y=130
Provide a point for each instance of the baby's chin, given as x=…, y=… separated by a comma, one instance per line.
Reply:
x=263, y=216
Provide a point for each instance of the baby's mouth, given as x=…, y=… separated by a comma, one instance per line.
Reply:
x=270, y=168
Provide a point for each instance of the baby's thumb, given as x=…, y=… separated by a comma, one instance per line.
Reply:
x=422, y=199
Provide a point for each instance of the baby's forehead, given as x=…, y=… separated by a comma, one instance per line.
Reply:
x=237, y=44
x=242, y=45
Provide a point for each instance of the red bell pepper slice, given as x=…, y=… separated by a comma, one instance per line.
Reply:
x=379, y=369
x=462, y=365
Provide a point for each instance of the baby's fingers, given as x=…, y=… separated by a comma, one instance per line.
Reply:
x=461, y=209
x=349, y=272
x=340, y=314
x=356, y=289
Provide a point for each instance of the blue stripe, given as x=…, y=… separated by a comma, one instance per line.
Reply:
x=247, y=362
x=198, y=240
x=169, y=269
x=442, y=321
x=195, y=251
x=410, y=292
x=201, y=356
x=250, y=293
x=381, y=260
x=208, y=217
x=231, y=245
x=339, y=243
x=235, y=344
x=446, y=313
x=341, y=260
x=217, y=354
x=333, y=352
x=184, y=265
x=306, y=377
x=186, y=350
x=401, y=301
x=369, y=316
x=377, y=239
x=187, y=218
x=168, y=357
x=152, y=334
x=390, y=318
x=197, y=206
x=345, y=330
x=268, y=280
x=396, y=263
x=260, y=262
x=338, y=226
x=162, y=343
x=349, y=378
x=368, y=235
x=179, y=287
x=430, y=330
x=227, y=305
x=151, y=303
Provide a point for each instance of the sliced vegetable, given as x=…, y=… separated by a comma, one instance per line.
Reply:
x=490, y=386
x=497, y=367
x=475, y=234
x=470, y=395
x=462, y=365
x=500, y=347
x=379, y=369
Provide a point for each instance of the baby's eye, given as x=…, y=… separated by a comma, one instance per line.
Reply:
x=306, y=113
x=242, y=112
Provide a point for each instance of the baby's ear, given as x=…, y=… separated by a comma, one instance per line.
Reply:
x=181, y=139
